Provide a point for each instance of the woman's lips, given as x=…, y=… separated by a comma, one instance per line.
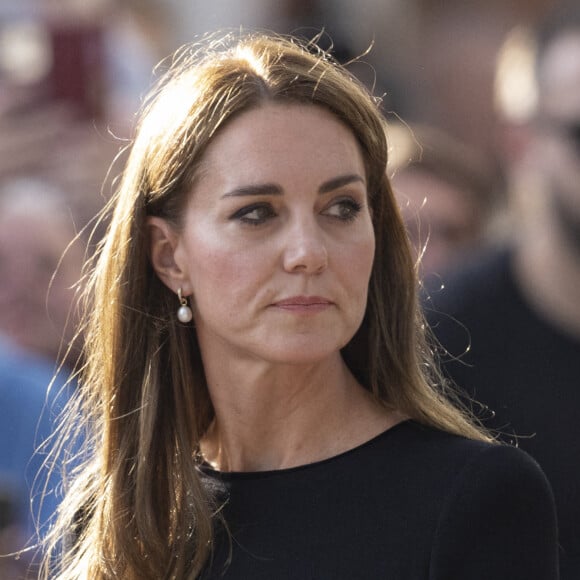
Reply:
x=304, y=304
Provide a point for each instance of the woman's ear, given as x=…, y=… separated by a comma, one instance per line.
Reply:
x=163, y=242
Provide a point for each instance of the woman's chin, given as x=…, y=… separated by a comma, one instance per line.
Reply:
x=302, y=354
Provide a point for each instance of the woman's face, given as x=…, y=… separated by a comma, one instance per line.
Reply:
x=277, y=246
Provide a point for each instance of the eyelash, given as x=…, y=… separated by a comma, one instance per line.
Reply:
x=352, y=207
x=267, y=212
x=242, y=213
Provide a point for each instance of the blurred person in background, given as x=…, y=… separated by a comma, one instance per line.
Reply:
x=446, y=191
x=449, y=72
x=38, y=271
x=513, y=316
x=29, y=412
x=63, y=84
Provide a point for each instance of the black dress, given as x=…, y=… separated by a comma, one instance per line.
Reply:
x=412, y=503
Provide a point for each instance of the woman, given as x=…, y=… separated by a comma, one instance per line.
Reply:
x=259, y=397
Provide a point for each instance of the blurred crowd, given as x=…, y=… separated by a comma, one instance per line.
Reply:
x=483, y=103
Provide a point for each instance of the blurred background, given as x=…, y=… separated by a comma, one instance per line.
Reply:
x=72, y=73
x=455, y=77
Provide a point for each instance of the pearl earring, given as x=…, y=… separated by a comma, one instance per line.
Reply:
x=184, y=313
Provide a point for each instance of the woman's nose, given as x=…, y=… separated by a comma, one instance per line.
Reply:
x=305, y=249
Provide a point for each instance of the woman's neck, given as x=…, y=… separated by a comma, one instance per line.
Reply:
x=274, y=417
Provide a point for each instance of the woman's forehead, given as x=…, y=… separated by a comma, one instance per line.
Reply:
x=280, y=139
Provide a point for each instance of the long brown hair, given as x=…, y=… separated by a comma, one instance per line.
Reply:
x=137, y=508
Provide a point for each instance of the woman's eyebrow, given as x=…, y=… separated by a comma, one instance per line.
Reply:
x=260, y=189
x=340, y=181
x=274, y=189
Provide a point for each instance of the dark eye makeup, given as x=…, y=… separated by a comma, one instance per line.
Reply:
x=344, y=209
x=255, y=214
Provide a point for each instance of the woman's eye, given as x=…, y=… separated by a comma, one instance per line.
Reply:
x=344, y=209
x=254, y=214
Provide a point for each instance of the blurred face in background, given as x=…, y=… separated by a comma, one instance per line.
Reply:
x=442, y=220
x=34, y=306
x=557, y=144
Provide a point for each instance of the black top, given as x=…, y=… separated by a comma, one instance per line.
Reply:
x=412, y=503
x=525, y=370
